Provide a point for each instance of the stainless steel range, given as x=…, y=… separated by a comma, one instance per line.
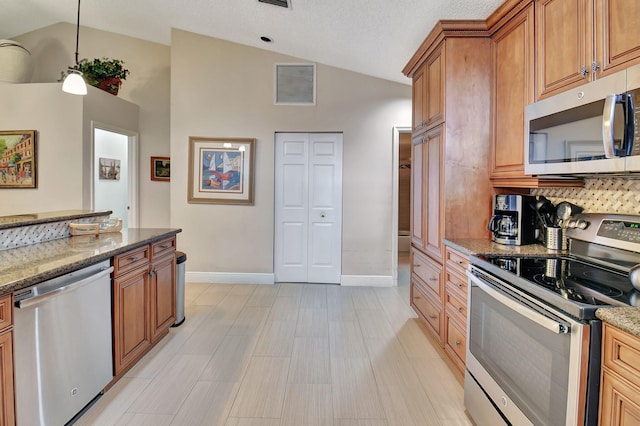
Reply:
x=533, y=349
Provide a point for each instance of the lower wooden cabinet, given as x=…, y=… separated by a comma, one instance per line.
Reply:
x=439, y=297
x=144, y=301
x=131, y=318
x=7, y=404
x=620, y=381
x=163, y=295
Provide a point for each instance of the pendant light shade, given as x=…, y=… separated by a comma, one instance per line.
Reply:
x=74, y=82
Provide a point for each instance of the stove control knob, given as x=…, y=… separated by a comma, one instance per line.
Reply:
x=634, y=276
x=582, y=224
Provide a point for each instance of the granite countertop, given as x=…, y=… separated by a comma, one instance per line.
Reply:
x=471, y=246
x=17, y=220
x=625, y=318
x=25, y=266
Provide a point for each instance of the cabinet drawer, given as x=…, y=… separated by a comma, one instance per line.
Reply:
x=130, y=260
x=456, y=339
x=427, y=270
x=456, y=307
x=456, y=284
x=6, y=318
x=456, y=261
x=160, y=248
x=429, y=309
x=621, y=353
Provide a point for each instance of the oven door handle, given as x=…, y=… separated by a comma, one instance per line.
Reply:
x=546, y=322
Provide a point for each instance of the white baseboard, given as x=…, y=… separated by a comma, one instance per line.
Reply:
x=367, y=280
x=229, y=278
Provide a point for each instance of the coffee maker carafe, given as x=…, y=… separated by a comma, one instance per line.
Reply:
x=513, y=220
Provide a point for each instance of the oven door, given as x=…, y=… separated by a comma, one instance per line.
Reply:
x=528, y=360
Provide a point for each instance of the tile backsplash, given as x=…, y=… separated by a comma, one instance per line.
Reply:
x=611, y=195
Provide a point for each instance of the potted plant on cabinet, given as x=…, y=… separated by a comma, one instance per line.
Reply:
x=103, y=73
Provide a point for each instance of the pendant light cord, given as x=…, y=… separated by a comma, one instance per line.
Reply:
x=77, y=33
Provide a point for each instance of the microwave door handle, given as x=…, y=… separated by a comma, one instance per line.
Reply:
x=629, y=124
x=548, y=323
x=607, y=126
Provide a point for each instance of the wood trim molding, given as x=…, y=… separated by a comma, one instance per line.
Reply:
x=442, y=30
x=535, y=182
x=504, y=13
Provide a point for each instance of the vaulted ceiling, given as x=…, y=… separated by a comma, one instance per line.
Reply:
x=372, y=37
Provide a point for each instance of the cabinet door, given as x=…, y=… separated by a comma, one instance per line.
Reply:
x=432, y=191
x=418, y=101
x=132, y=334
x=617, y=34
x=512, y=89
x=619, y=401
x=434, y=89
x=163, y=295
x=7, y=412
x=563, y=44
x=417, y=201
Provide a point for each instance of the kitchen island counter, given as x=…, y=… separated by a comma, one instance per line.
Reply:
x=25, y=266
x=627, y=319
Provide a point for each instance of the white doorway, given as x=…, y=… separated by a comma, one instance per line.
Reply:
x=115, y=173
x=400, y=242
x=308, y=207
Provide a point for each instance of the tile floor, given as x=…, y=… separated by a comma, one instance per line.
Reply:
x=289, y=354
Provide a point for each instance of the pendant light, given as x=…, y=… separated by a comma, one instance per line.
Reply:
x=74, y=82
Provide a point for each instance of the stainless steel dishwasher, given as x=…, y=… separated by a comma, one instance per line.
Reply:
x=62, y=335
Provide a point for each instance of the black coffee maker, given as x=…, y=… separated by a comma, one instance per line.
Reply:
x=513, y=221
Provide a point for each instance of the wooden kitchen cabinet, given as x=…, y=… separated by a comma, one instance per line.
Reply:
x=163, y=294
x=131, y=318
x=451, y=189
x=455, y=317
x=428, y=88
x=581, y=40
x=144, y=304
x=620, y=379
x=513, y=83
x=7, y=403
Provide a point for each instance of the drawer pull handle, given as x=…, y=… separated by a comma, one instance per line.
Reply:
x=460, y=262
x=416, y=297
x=460, y=285
x=164, y=246
x=432, y=316
x=457, y=343
x=459, y=308
x=433, y=279
x=132, y=258
x=416, y=265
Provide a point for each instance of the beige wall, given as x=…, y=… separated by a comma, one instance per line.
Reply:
x=147, y=86
x=222, y=89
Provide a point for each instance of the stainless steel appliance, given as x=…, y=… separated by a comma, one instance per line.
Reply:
x=533, y=349
x=63, y=354
x=594, y=128
x=513, y=220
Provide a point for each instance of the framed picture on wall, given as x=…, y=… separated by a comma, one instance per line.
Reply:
x=109, y=168
x=221, y=170
x=18, y=160
x=161, y=168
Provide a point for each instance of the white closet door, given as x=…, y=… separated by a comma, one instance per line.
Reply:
x=308, y=204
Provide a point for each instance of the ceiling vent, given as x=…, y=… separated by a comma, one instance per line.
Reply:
x=281, y=3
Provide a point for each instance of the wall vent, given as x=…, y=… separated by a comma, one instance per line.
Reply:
x=281, y=3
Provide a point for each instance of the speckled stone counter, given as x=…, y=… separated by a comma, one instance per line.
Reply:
x=25, y=266
x=470, y=246
x=627, y=319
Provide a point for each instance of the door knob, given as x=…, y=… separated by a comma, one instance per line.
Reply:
x=322, y=215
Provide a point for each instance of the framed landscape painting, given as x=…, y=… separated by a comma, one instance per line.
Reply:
x=161, y=169
x=221, y=170
x=18, y=165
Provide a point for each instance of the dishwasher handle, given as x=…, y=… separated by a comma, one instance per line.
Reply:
x=35, y=300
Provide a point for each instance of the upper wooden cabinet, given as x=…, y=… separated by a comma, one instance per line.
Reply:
x=513, y=83
x=581, y=40
x=428, y=88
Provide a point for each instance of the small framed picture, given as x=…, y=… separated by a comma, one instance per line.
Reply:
x=18, y=165
x=109, y=168
x=161, y=168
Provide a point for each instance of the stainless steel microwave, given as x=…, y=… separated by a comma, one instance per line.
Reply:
x=594, y=128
